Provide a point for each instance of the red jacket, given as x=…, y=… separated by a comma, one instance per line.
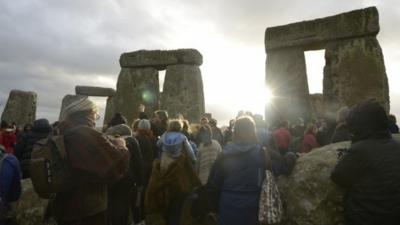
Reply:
x=309, y=142
x=8, y=140
x=282, y=138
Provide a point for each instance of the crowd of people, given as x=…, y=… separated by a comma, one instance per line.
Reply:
x=163, y=170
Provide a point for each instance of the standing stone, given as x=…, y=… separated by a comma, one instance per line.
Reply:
x=183, y=92
x=287, y=78
x=354, y=71
x=309, y=196
x=20, y=107
x=68, y=99
x=110, y=109
x=137, y=86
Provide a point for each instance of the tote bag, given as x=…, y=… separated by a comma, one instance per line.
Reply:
x=270, y=208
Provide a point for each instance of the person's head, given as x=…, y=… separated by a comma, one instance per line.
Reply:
x=161, y=114
x=367, y=119
x=41, y=126
x=203, y=121
x=175, y=125
x=244, y=130
x=284, y=124
x=205, y=135
x=213, y=123
x=311, y=128
x=118, y=118
x=82, y=111
x=144, y=124
x=392, y=118
x=341, y=114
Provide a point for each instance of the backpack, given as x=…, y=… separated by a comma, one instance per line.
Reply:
x=49, y=167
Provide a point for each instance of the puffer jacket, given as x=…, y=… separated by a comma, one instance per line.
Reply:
x=370, y=172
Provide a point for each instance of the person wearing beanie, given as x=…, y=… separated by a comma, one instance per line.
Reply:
x=369, y=170
x=23, y=149
x=148, y=148
x=95, y=161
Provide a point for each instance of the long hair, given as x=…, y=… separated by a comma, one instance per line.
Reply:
x=244, y=130
x=175, y=125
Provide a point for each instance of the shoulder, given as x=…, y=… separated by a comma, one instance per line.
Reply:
x=10, y=160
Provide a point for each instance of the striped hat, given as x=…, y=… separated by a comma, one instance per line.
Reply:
x=83, y=103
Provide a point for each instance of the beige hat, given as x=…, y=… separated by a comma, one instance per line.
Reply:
x=79, y=105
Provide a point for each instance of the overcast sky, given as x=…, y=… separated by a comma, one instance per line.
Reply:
x=51, y=46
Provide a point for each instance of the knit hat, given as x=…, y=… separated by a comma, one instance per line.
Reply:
x=144, y=124
x=83, y=103
x=120, y=130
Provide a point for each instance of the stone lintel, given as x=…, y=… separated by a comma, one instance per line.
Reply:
x=94, y=91
x=160, y=59
x=357, y=23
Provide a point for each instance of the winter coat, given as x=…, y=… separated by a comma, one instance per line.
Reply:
x=370, y=173
x=308, y=143
x=282, y=139
x=168, y=190
x=94, y=162
x=235, y=183
x=217, y=135
x=171, y=145
x=8, y=140
x=148, y=150
x=121, y=193
x=24, y=146
x=206, y=158
x=10, y=184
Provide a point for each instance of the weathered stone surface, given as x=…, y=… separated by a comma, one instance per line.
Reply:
x=94, y=91
x=308, y=194
x=30, y=208
x=67, y=100
x=137, y=86
x=317, y=105
x=160, y=59
x=354, y=71
x=20, y=107
x=287, y=78
x=352, y=24
x=110, y=109
x=183, y=92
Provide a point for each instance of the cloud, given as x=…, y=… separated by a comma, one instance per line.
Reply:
x=51, y=46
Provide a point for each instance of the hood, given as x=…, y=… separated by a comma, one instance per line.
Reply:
x=172, y=138
x=235, y=148
x=41, y=126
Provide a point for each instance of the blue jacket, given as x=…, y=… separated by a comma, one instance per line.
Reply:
x=10, y=180
x=237, y=175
